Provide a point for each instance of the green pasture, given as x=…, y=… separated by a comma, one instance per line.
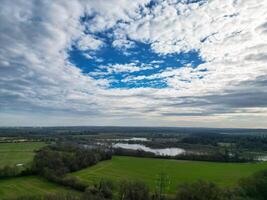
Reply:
x=18, y=153
x=29, y=186
x=149, y=169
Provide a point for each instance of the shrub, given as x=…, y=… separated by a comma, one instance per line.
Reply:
x=133, y=190
x=9, y=171
x=102, y=190
x=74, y=183
x=200, y=190
x=255, y=186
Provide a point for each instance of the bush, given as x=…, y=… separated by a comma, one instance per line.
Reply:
x=200, y=190
x=133, y=190
x=102, y=190
x=255, y=186
x=74, y=183
x=9, y=171
x=105, y=187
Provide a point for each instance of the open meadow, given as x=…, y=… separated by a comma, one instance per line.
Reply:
x=178, y=172
x=120, y=168
x=29, y=185
x=18, y=153
x=22, y=153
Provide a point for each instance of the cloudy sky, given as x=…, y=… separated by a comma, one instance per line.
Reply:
x=136, y=63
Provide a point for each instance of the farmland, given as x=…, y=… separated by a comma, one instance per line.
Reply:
x=33, y=185
x=22, y=153
x=148, y=169
x=18, y=153
x=86, y=167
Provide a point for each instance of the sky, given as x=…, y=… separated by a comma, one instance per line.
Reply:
x=197, y=63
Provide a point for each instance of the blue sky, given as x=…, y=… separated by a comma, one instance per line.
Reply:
x=140, y=55
x=133, y=63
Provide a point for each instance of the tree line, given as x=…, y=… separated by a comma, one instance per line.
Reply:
x=55, y=161
x=215, y=156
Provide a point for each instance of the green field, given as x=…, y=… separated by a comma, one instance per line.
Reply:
x=29, y=185
x=18, y=153
x=148, y=169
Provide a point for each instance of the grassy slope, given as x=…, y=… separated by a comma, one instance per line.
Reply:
x=14, y=153
x=147, y=169
x=30, y=185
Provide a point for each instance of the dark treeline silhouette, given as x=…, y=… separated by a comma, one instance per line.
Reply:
x=216, y=156
x=208, y=140
x=251, y=142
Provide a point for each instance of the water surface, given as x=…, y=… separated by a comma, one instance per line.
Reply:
x=161, y=152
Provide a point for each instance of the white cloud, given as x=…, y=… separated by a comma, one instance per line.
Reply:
x=117, y=68
x=125, y=68
x=88, y=42
x=36, y=76
x=123, y=44
x=226, y=33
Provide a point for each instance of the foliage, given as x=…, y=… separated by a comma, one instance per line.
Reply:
x=215, y=156
x=9, y=171
x=162, y=184
x=53, y=162
x=102, y=190
x=63, y=159
x=255, y=186
x=133, y=190
x=200, y=190
x=73, y=182
x=251, y=188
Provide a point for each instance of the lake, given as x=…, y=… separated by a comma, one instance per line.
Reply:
x=161, y=152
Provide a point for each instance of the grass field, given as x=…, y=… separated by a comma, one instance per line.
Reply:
x=148, y=169
x=15, y=153
x=30, y=185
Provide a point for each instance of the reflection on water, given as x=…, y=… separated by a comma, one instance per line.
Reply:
x=262, y=158
x=162, y=152
x=130, y=139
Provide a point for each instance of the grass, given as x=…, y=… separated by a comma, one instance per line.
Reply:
x=22, y=153
x=18, y=153
x=148, y=169
x=29, y=185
